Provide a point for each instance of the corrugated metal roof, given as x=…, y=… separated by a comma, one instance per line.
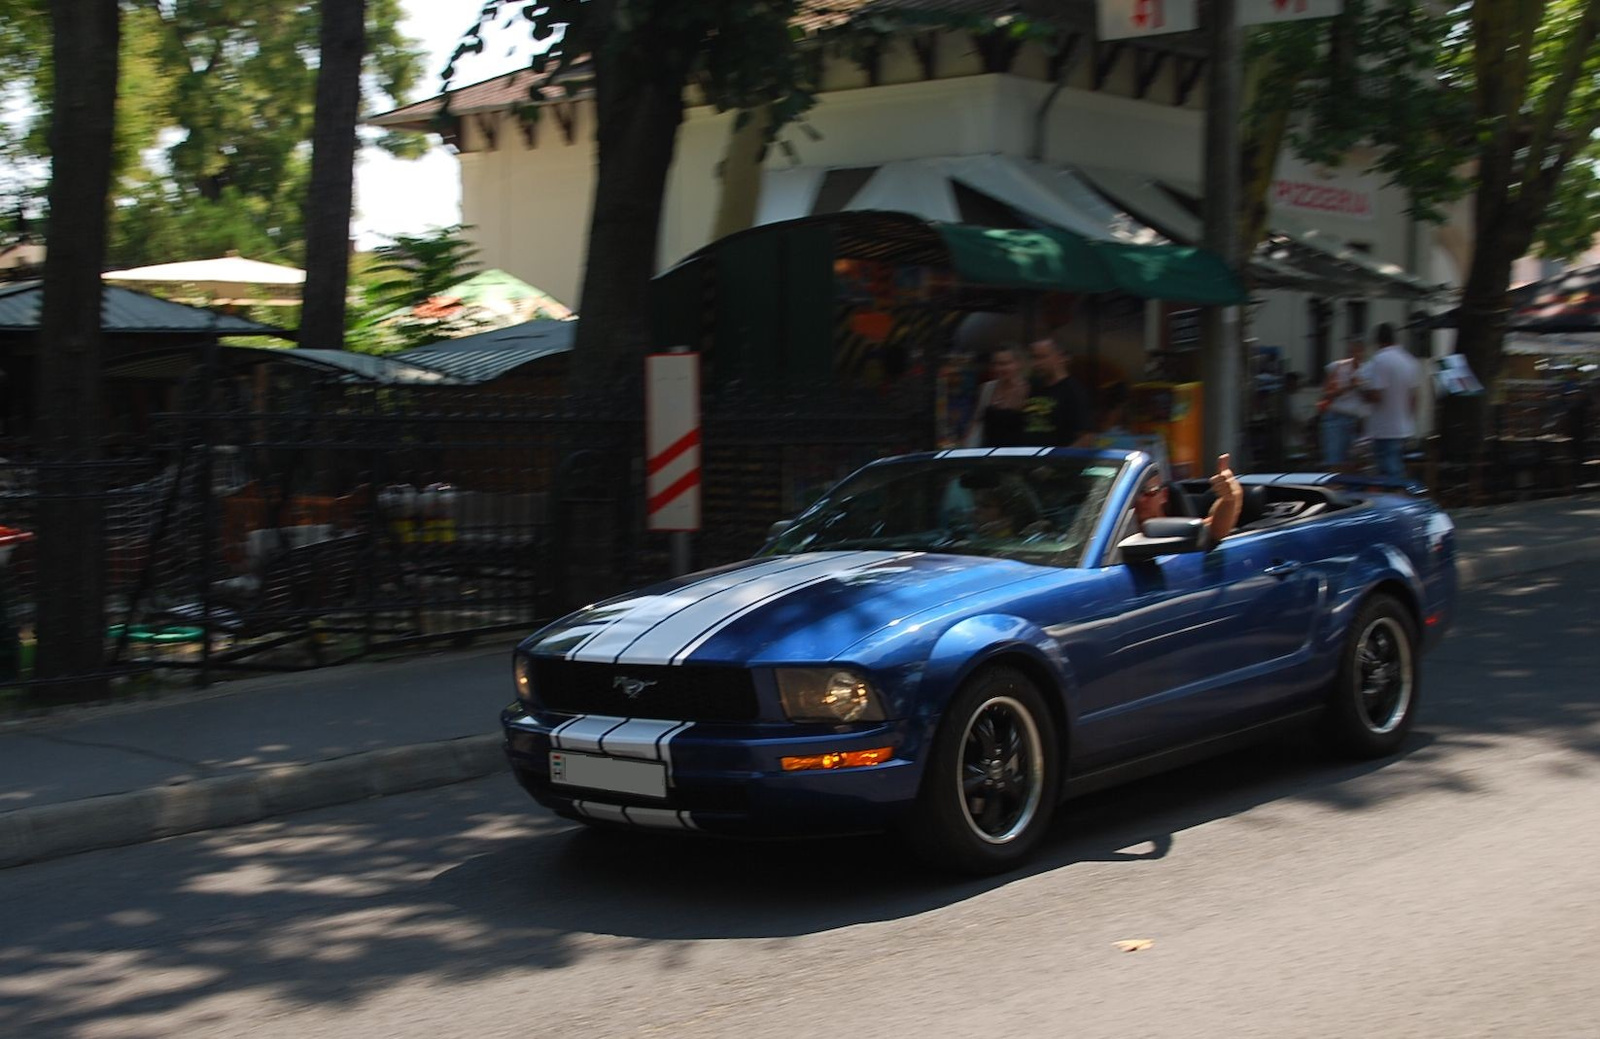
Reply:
x=452, y=362
x=550, y=335
x=470, y=366
x=368, y=368
x=126, y=311
x=341, y=365
x=488, y=355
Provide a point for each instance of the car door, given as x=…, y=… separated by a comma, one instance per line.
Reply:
x=1277, y=591
x=1188, y=645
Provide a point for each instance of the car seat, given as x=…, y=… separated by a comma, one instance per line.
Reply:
x=1253, y=506
x=1179, y=503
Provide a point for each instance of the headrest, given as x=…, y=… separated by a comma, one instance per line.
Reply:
x=1178, y=501
x=1254, y=505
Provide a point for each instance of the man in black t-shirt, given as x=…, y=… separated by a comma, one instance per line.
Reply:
x=1057, y=412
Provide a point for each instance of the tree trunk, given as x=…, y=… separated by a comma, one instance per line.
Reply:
x=328, y=197
x=1484, y=313
x=638, y=116
x=70, y=519
x=1521, y=159
x=741, y=174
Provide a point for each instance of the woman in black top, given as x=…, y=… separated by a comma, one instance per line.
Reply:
x=1000, y=419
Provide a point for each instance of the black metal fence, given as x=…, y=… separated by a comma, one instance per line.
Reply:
x=767, y=456
x=361, y=518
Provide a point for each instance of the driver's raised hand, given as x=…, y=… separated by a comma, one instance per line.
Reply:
x=1224, y=479
x=1224, y=515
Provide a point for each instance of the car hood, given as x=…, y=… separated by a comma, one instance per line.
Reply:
x=807, y=607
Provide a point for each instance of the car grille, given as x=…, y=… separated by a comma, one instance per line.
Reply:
x=690, y=694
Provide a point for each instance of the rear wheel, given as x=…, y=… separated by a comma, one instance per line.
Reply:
x=989, y=790
x=1373, y=701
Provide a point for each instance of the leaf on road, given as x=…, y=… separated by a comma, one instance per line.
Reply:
x=1134, y=944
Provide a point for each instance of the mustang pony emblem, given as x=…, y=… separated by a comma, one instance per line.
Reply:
x=631, y=687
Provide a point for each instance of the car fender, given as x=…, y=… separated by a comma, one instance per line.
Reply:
x=975, y=641
x=1374, y=566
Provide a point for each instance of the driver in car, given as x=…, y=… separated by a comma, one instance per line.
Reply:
x=1154, y=497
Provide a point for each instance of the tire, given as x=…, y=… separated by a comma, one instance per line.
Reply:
x=1373, y=701
x=989, y=789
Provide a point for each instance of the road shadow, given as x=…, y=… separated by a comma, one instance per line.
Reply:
x=672, y=888
x=449, y=886
x=1522, y=661
x=452, y=885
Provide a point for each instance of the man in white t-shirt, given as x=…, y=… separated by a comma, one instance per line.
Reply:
x=1343, y=407
x=1391, y=382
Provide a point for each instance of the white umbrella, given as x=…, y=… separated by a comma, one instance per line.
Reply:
x=224, y=281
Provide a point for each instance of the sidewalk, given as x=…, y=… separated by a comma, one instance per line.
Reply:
x=1500, y=540
x=101, y=776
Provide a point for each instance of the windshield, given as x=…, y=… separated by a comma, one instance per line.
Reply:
x=1039, y=510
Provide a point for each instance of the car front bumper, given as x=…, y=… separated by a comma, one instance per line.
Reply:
x=723, y=778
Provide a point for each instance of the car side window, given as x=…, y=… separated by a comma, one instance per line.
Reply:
x=1128, y=524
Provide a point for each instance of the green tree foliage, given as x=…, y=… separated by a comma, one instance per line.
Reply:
x=1365, y=80
x=408, y=268
x=1507, y=115
x=1532, y=71
x=405, y=271
x=1374, y=82
x=24, y=63
x=1497, y=102
x=737, y=54
x=214, y=111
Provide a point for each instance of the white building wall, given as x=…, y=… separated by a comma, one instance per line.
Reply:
x=530, y=206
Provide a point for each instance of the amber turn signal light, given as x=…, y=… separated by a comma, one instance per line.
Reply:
x=839, y=759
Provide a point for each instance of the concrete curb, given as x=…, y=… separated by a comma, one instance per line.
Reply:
x=51, y=831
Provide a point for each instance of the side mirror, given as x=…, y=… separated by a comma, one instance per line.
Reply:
x=1164, y=537
x=778, y=528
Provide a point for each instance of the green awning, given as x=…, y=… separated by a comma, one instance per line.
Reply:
x=1053, y=259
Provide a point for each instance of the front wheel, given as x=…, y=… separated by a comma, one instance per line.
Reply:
x=990, y=786
x=1373, y=701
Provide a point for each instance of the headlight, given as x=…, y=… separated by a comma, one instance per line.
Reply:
x=825, y=694
x=522, y=671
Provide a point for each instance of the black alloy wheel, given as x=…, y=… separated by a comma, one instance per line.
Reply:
x=1383, y=663
x=1002, y=770
x=991, y=782
x=1373, y=702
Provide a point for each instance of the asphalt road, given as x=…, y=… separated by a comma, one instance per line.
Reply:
x=1453, y=891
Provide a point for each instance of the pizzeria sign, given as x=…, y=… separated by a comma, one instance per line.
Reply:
x=1324, y=191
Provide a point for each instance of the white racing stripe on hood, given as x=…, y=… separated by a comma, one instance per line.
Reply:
x=613, y=634
x=666, y=636
x=694, y=644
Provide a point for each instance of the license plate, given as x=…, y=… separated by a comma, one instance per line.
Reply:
x=616, y=775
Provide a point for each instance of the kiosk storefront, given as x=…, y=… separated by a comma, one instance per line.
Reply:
x=879, y=299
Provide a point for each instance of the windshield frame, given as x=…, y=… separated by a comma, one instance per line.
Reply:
x=1035, y=482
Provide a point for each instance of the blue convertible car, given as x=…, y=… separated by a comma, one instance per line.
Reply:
x=949, y=644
